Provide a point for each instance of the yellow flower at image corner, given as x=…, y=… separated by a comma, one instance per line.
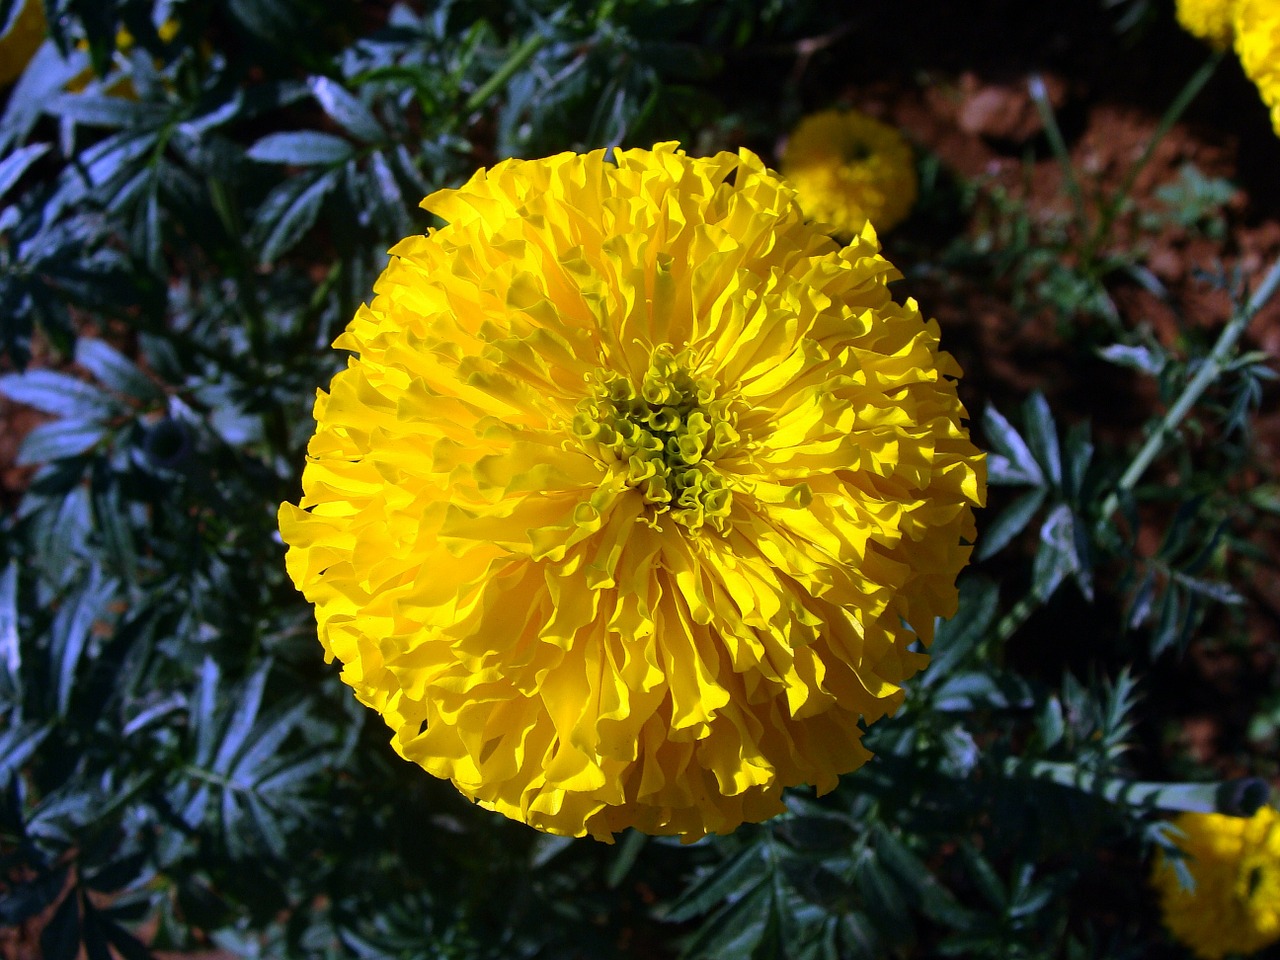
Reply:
x=624, y=502
x=1234, y=907
x=1257, y=32
x=1209, y=20
x=848, y=168
x=19, y=43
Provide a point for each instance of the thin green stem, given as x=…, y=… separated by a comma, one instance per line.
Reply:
x=523, y=54
x=1237, y=798
x=1059, y=146
x=1212, y=368
x=1111, y=209
x=1016, y=616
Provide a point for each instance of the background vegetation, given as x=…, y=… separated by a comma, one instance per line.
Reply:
x=179, y=770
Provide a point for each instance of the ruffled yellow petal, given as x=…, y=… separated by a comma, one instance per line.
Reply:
x=634, y=495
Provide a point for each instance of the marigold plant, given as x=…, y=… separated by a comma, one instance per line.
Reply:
x=1234, y=905
x=636, y=496
x=849, y=168
x=1210, y=20
x=1257, y=31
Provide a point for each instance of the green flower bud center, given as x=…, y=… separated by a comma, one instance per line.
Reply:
x=666, y=432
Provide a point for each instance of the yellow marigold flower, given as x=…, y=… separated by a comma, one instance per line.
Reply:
x=1257, y=27
x=1235, y=904
x=621, y=509
x=19, y=43
x=848, y=168
x=1210, y=20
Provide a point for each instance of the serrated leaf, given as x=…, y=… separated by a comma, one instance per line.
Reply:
x=1042, y=436
x=346, y=110
x=1013, y=462
x=60, y=440
x=736, y=930
x=60, y=939
x=10, y=647
x=1011, y=521
x=1056, y=558
x=56, y=393
x=70, y=633
x=301, y=148
x=129, y=946
x=978, y=690
x=114, y=370
x=246, y=773
x=24, y=900
x=296, y=218
x=15, y=164
x=204, y=716
x=725, y=880
x=248, y=700
x=101, y=110
x=1144, y=359
x=935, y=900
x=953, y=639
x=18, y=744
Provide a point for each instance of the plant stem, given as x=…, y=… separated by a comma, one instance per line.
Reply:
x=1237, y=798
x=1209, y=371
x=1111, y=209
x=524, y=53
x=1035, y=85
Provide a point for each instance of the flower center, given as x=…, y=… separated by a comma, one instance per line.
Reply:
x=668, y=431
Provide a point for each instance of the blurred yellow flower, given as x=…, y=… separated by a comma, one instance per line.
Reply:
x=121, y=86
x=1257, y=28
x=620, y=510
x=19, y=43
x=1210, y=20
x=848, y=168
x=1235, y=905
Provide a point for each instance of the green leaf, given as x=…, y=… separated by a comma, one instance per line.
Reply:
x=290, y=214
x=60, y=440
x=302, y=148
x=102, y=110
x=25, y=900
x=1011, y=521
x=60, y=939
x=1042, y=436
x=248, y=700
x=15, y=165
x=56, y=394
x=1148, y=360
x=1012, y=462
x=724, y=881
x=114, y=370
x=346, y=110
x=935, y=900
x=954, y=639
x=737, y=930
x=1056, y=558
x=70, y=632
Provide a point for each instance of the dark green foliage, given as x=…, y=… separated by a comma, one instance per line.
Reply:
x=173, y=748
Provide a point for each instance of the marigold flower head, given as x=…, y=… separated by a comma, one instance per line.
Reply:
x=849, y=168
x=19, y=43
x=621, y=510
x=1209, y=20
x=1257, y=31
x=1234, y=906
